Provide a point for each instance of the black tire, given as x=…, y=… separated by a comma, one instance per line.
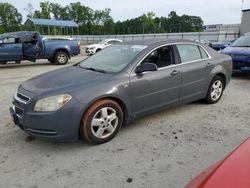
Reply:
x=213, y=96
x=89, y=130
x=61, y=58
x=51, y=60
x=3, y=62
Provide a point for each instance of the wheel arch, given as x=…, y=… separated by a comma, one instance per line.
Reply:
x=223, y=76
x=114, y=98
x=61, y=50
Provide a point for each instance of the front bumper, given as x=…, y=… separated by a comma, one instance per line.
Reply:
x=89, y=51
x=60, y=125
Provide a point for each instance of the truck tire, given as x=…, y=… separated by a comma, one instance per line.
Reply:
x=3, y=62
x=61, y=58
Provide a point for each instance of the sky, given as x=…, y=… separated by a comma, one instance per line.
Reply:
x=211, y=11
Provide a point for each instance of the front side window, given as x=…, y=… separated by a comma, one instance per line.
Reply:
x=162, y=57
x=189, y=52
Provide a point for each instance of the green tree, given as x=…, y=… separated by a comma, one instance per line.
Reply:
x=10, y=18
x=45, y=9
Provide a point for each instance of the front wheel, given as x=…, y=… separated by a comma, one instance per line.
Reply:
x=102, y=121
x=61, y=58
x=215, y=90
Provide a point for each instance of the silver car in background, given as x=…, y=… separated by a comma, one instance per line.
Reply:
x=95, y=97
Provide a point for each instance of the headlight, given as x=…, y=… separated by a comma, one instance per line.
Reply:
x=51, y=103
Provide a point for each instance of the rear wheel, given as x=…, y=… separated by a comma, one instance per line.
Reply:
x=61, y=58
x=215, y=90
x=102, y=121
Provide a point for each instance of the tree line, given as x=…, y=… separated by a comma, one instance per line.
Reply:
x=98, y=22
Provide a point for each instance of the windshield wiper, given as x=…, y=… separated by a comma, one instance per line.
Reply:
x=94, y=69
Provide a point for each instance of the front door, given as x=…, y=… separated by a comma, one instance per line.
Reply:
x=160, y=88
x=33, y=48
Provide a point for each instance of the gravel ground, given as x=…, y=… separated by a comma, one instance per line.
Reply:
x=165, y=149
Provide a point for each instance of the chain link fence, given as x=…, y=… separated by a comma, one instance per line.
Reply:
x=211, y=36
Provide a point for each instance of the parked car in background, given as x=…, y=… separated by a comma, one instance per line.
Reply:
x=204, y=41
x=239, y=50
x=29, y=45
x=231, y=172
x=124, y=81
x=220, y=45
x=92, y=49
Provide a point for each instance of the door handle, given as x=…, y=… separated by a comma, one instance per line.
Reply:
x=209, y=64
x=175, y=72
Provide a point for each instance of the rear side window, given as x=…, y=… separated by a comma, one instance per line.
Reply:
x=203, y=53
x=189, y=52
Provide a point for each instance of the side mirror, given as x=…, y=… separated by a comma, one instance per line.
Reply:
x=146, y=67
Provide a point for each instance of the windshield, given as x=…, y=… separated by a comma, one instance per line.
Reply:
x=242, y=42
x=112, y=59
x=103, y=41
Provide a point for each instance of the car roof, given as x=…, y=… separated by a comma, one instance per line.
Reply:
x=149, y=42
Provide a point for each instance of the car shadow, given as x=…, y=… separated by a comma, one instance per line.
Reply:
x=245, y=76
x=14, y=65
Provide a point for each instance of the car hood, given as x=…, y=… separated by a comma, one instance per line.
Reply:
x=231, y=172
x=63, y=80
x=236, y=50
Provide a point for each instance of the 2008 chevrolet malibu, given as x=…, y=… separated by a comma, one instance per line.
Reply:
x=95, y=97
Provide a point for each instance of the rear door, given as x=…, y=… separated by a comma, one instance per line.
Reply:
x=33, y=48
x=195, y=66
x=10, y=50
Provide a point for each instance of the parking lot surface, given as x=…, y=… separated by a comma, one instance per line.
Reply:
x=165, y=149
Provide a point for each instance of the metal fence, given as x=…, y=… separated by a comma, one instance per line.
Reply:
x=211, y=36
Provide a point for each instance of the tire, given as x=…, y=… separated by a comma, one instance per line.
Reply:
x=61, y=58
x=3, y=62
x=51, y=60
x=101, y=121
x=215, y=90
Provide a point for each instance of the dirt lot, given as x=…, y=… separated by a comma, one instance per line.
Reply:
x=162, y=150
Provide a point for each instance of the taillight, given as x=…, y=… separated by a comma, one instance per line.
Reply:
x=79, y=45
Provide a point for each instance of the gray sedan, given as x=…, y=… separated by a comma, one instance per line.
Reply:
x=95, y=97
